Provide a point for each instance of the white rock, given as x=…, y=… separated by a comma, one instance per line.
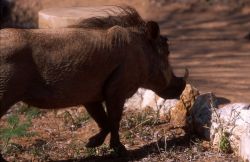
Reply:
x=144, y=98
x=149, y=98
x=245, y=146
x=239, y=111
x=135, y=102
x=235, y=120
x=168, y=105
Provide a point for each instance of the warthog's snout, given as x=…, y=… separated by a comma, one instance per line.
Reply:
x=175, y=88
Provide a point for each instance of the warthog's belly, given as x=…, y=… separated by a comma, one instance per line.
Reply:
x=54, y=97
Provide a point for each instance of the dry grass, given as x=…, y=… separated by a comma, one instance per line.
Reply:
x=56, y=138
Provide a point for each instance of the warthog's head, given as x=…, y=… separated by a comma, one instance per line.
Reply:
x=161, y=78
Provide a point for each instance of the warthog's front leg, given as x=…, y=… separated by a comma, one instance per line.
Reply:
x=96, y=111
x=114, y=110
x=118, y=87
x=115, y=94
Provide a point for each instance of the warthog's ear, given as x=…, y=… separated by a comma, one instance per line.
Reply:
x=152, y=30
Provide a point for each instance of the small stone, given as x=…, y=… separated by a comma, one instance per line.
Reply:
x=69, y=141
x=205, y=145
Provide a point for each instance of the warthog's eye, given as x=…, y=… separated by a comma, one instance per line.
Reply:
x=165, y=39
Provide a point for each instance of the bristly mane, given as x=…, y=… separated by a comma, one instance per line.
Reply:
x=123, y=16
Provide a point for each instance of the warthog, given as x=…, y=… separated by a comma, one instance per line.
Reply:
x=105, y=62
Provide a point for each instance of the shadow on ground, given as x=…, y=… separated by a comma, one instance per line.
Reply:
x=137, y=154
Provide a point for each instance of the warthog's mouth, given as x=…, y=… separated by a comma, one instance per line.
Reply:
x=175, y=87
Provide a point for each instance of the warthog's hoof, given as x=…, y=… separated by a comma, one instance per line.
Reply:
x=2, y=159
x=97, y=140
x=120, y=150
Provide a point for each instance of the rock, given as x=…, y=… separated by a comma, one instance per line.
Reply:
x=244, y=149
x=144, y=98
x=231, y=121
x=234, y=120
x=150, y=99
x=174, y=109
x=74, y=16
x=200, y=115
x=179, y=113
x=135, y=102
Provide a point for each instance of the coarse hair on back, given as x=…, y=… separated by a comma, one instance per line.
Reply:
x=115, y=22
x=124, y=16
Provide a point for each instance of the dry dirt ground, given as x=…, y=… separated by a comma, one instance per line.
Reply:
x=61, y=136
x=207, y=36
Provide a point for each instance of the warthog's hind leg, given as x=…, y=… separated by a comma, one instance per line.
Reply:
x=96, y=111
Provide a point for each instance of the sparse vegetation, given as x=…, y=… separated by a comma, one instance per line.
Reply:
x=15, y=128
x=224, y=144
x=143, y=133
x=139, y=124
x=147, y=117
x=37, y=149
x=75, y=121
x=81, y=119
